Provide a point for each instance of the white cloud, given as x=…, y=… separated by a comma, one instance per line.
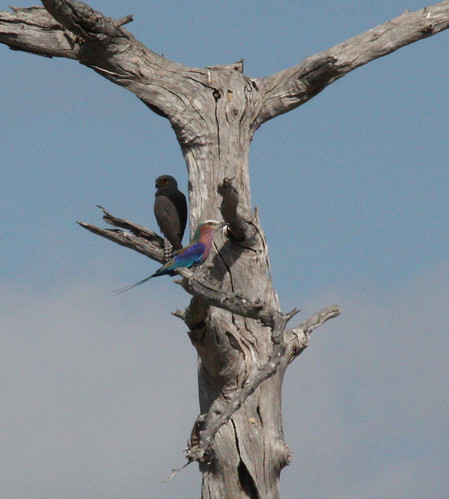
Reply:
x=366, y=408
x=99, y=394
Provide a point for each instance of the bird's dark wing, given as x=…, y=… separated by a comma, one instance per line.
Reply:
x=181, y=207
x=168, y=219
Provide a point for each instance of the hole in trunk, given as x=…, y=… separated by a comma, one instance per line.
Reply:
x=247, y=482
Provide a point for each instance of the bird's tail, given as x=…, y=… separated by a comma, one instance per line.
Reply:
x=131, y=286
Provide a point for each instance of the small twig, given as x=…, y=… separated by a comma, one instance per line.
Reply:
x=179, y=314
x=141, y=239
x=124, y=20
x=136, y=229
x=297, y=338
x=135, y=243
x=176, y=471
x=320, y=318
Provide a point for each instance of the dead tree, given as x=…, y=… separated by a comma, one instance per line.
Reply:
x=234, y=318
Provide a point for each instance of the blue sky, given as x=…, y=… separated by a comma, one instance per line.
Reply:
x=100, y=391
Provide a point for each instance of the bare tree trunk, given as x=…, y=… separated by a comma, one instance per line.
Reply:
x=233, y=318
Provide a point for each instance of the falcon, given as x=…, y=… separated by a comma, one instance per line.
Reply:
x=170, y=210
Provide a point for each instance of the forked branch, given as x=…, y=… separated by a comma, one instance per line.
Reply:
x=293, y=87
x=206, y=426
x=68, y=28
x=138, y=238
x=198, y=283
x=286, y=346
x=298, y=337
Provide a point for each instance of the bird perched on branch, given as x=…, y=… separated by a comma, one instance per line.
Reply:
x=170, y=210
x=195, y=253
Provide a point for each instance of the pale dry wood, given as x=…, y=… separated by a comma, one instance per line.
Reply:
x=139, y=238
x=214, y=112
x=241, y=221
x=205, y=429
x=297, y=338
x=34, y=30
x=201, y=285
x=293, y=87
x=197, y=282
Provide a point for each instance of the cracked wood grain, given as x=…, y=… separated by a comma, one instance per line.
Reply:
x=234, y=315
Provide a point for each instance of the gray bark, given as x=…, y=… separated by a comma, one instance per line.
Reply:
x=234, y=318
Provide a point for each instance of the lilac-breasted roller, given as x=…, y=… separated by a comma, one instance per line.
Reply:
x=195, y=253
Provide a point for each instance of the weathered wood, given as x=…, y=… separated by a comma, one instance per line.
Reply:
x=293, y=87
x=199, y=282
x=207, y=289
x=234, y=318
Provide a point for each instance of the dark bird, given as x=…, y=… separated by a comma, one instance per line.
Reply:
x=195, y=253
x=170, y=210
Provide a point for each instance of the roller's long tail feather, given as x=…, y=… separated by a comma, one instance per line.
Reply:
x=131, y=286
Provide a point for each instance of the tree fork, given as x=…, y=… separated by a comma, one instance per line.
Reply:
x=220, y=411
x=234, y=317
